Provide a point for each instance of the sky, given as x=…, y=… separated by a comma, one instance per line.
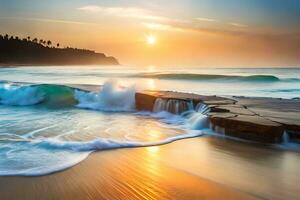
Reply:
x=202, y=33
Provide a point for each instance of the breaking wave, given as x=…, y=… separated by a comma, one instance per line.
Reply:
x=111, y=97
x=26, y=95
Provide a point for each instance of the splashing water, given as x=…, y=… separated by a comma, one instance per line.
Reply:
x=66, y=135
x=112, y=97
x=195, y=119
x=172, y=105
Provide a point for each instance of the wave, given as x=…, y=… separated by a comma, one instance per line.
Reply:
x=208, y=77
x=111, y=97
x=25, y=95
x=64, y=154
x=105, y=144
x=296, y=90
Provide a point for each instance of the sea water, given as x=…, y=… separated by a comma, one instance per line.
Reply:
x=47, y=126
x=262, y=82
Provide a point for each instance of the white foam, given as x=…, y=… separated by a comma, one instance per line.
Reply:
x=112, y=97
x=45, y=156
x=24, y=160
x=18, y=95
x=197, y=121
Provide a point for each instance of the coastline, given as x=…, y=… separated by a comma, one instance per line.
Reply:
x=138, y=173
x=5, y=65
x=185, y=169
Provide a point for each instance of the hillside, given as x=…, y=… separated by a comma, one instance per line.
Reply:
x=26, y=51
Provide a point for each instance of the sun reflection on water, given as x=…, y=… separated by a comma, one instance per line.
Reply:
x=151, y=85
x=154, y=135
x=153, y=150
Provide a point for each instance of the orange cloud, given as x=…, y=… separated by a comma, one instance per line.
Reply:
x=130, y=12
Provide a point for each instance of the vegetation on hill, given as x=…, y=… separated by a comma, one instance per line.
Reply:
x=28, y=51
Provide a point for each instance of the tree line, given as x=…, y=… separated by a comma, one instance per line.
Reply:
x=26, y=51
x=43, y=42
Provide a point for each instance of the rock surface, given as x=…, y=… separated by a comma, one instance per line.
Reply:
x=145, y=100
x=282, y=111
x=249, y=127
x=257, y=119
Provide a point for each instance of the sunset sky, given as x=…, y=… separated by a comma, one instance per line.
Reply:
x=204, y=33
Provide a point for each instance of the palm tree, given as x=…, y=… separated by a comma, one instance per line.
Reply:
x=28, y=38
x=35, y=40
x=57, y=45
x=41, y=41
x=49, y=43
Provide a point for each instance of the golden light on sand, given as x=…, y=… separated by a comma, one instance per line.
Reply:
x=151, y=40
x=153, y=149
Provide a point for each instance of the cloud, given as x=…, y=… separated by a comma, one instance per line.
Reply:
x=238, y=25
x=161, y=27
x=50, y=20
x=235, y=24
x=206, y=19
x=129, y=12
x=153, y=21
x=194, y=27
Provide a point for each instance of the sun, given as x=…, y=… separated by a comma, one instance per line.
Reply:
x=151, y=40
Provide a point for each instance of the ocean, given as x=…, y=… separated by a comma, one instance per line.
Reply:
x=47, y=125
x=264, y=82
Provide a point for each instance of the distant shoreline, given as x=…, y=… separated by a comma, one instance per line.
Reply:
x=34, y=52
x=6, y=65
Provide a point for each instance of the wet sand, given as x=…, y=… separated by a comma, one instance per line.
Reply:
x=139, y=173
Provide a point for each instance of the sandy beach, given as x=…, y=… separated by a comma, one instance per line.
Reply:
x=139, y=173
x=185, y=169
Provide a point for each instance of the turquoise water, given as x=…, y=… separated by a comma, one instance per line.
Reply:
x=47, y=126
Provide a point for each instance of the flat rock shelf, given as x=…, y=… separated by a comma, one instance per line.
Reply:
x=263, y=120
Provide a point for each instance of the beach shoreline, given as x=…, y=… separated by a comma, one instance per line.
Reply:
x=13, y=65
x=137, y=173
x=185, y=169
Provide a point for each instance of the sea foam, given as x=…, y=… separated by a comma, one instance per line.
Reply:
x=112, y=97
x=11, y=94
x=27, y=158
